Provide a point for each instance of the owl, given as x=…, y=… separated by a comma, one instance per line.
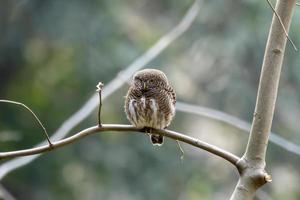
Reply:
x=150, y=102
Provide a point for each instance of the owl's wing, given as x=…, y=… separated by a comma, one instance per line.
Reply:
x=171, y=93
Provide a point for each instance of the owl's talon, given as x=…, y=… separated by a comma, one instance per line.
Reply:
x=147, y=130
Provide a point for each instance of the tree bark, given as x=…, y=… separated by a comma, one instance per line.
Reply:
x=252, y=165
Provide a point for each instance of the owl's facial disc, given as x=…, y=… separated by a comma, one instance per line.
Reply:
x=137, y=82
x=149, y=79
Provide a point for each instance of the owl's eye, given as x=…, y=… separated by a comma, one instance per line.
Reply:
x=137, y=79
x=151, y=81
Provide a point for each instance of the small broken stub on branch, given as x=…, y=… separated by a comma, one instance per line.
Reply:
x=268, y=178
x=99, y=87
x=99, y=90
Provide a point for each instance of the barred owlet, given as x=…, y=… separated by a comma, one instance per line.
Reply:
x=150, y=102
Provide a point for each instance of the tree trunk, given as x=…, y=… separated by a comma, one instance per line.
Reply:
x=252, y=165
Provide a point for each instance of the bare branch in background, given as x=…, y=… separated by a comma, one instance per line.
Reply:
x=111, y=87
x=235, y=122
x=5, y=195
x=298, y=4
x=124, y=128
x=32, y=113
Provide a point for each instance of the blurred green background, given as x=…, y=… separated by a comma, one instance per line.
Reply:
x=54, y=52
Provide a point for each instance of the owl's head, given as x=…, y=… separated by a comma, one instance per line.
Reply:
x=148, y=79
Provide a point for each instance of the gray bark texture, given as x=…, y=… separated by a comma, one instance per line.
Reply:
x=252, y=165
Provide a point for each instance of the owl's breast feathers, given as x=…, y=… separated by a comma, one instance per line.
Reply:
x=154, y=108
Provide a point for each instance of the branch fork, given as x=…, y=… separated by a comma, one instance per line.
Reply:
x=33, y=114
x=252, y=164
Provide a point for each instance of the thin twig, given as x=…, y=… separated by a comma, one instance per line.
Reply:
x=99, y=90
x=125, y=128
x=282, y=25
x=112, y=86
x=235, y=122
x=181, y=150
x=32, y=113
x=298, y=4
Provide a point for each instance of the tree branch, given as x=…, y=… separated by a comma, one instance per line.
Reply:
x=123, y=128
x=32, y=113
x=252, y=164
x=112, y=86
x=235, y=122
x=99, y=90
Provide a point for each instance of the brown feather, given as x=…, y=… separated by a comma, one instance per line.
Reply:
x=150, y=101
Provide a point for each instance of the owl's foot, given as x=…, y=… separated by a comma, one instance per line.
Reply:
x=148, y=130
x=157, y=140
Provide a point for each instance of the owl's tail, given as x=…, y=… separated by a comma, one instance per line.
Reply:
x=157, y=140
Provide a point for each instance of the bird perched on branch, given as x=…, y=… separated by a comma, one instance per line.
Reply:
x=150, y=102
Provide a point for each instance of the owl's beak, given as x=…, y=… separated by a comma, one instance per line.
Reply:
x=145, y=88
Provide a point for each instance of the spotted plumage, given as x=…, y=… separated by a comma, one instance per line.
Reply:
x=150, y=102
